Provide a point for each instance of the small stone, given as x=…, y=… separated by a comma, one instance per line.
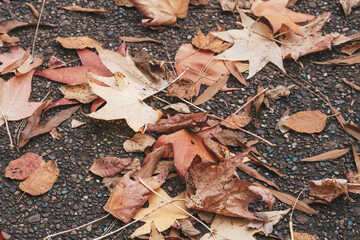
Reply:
x=33, y=219
x=64, y=192
x=49, y=50
x=12, y=189
x=260, y=132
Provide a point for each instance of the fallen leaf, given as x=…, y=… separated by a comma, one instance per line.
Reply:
x=234, y=121
x=22, y=167
x=7, y=39
x=81, y=9
x=11, y=61
x=34, y=128
x=139, y=39
x=257, y=104
x=231, y=5
x=55, y=62
x=220, y=151
x=150, y=163
x=329, y=189
x=278, y=92
x=230, y=138
x=123, y=101
x=313, y=39
x=33, y=10
x=212, y=188
x=178, y=122
x=55, y=134
x=253, y=43
x=303, y=236
x=343, y=39
x=306, y=121
x=61, y=102
x=29, y=64
x=188, y=148
x=125, y=3
x=199, y=2
x=277, y=14
x=187, y=227
x=347, y=5
x=78, y=42
x=354, y=86
x=155, y=234
x=14, y=98
x=353, y=59
x=237, y=228
x=129, y=195
x=236, y=68
x=327, y=156
x=152, y=69
x=210, y=42
x=77, y=75
x=161, y=12
x=182, y=88
x=41, y=180
x=255, y=174
x=109, y=166
x=351, y=129
x=162, y=165
x=11, y=25
x=111, y=182
x=164, y=217
x=350, y=49
x=80, y=92
x=76, y=123
x=356, y=158
x=138, y=143
x=116, y=62
x=178, y=107
x=212, y=90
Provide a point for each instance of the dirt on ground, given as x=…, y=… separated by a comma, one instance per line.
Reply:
x=78, y=196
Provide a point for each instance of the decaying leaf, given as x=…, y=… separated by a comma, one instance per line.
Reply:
x=138, y=142
x=327, y=156
x=123, y=101
x=220, y=151
x=230, y=138
x=306, y=121
x=350, y=49
x=22, y=167
x=78, y=42
x=182, y=88
x=276, y=12
x=329, y=189
x=80, y=92
x=188, y=148
x=347, y=5
x=278, y=92
x=129, y=195
x=41, y=180
x=237, y=228
x=253, y=43
x=34, y=128
x=210, y=42
x=111, y=182
x=76, y=8
x=161, y=12
x=109, y=166
x=152, y=69
x=164, y=217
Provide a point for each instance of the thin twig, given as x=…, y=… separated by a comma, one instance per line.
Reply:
x=70, y=230
x=37, y=27
x=291, y=215
x=7, y=129
x=252, y=99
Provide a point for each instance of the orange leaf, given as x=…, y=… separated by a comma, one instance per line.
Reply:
x=306, y=122
x=327, y=156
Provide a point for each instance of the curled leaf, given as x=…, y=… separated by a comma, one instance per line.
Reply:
x=109, y=166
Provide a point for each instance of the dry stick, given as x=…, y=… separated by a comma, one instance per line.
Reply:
x=70, y=230
x=7, y=129
x=252, y=99
x=291, y=215
x=37, y=27
x=136, y=220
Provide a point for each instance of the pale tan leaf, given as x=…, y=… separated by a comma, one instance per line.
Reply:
x=212, y=90
x=138, y=142
x=354, y=86
x=155, y=234
x=278, y=92
x=327, y=156
x=353, y=59
x=78, y=42
x=343, y=39
x=81, y=9
x=124, y=3
x=178, y=107
x=187, y=227
x=347, y=5
x=304, y=236
x=81, y=92
x=306, y=122
x=138, y=39
x=76, y=123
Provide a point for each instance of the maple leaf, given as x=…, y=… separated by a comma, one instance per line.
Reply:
x=276, y=12
x=253, y=43
x=14, y=98
x=164, y=217
x=77, y=75
x=123, y=101
x=22, y=167
x=314, y=40
x=109, y=166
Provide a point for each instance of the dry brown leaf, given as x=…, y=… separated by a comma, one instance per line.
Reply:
x=182, y=88
x=257, y=104
x=230, y=138
x=155, y=234
x=327, y=156
x=152, y=69
x=33, y=10
x=7, y=39
x=162, y=165
x=55, y=134
x=199, y=2
x=220, y=151
x=11, y=64
x=255, y=174
x=55, y=62
x=187, y=227
x=236, y=68
x=41, y=180
x=212, y=90
x=343, y=39
x=81, y=9
x=278, y=92
x=306, y=122
x=78, y=42
x=124, y=3
x=138, y=143
x=354, y=86
x=210, y=42
x=329, y=189
x=8, y=26
x=356, y=158
x=150, y=163
x=109, y=166
x=29, y=64
x=347, y=5
x=353, y=59
x=34, y=128
x=81, y=92
x=22, y=167
x=111, y=182
x=350, y=49
x=303, y=236
x=139, y=39
x=351, y=129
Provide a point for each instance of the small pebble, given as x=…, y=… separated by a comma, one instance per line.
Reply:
x=64, y=192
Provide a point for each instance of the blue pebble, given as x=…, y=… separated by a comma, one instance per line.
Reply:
x=99, y=195
x=50, y=191
x=304, y=75
x=288, y=160
x=264, y=160
x=22, y=11
x=325, y=91
x=81, y=177
x=12, y=211
x=346, y=115
x=350, y=223
x=105, y=228
x=1, y=187
x=124, y=13
x=67, y=219
x=45, y=205
x=86, y=197
x=109, y=33
x=35, y=229
x=64, y=192
x=351, y=210
x=322, y=164
x=295, y=159
x=300, y=157
x=271, y=151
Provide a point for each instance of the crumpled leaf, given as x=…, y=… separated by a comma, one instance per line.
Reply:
x=278, y=92
x=161, y=12
x=164, y=217
x=230, y=138
x=77, y=42
x=139, y=39
x=327, y=156
x=76, y=8
x=350, y=60
x=313, y=39
x=14, y=98
x=41, y=180
x=179, y=107
x=277, y=14
x=80, y=92
x=349, y=49
x=306, y=121
x=77, y=75
x=22, y=167
x=329, y=189
x=252, y=44
x=109, y=166
x=237, y=228
x=129, y=195
x=347, y=5
x=138, y=143
x=241, y=119
x=231, y=5
x=210, y=42
x=187, y=147
x=214, y=189
x=152, y=69
x=179, y=121
x=34, y=128
x=123, y=101
x=182, y=88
